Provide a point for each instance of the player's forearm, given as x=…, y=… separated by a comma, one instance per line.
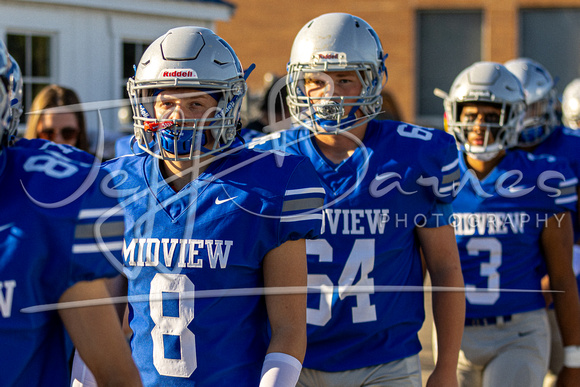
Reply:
x=557, y=244
x=290, y=340
x=96, y=333
x=116, y=368
x=117, y=287
x=120, y=378
x=285, y=266
x=448, y=316
x=449, y=319
x=567, y=307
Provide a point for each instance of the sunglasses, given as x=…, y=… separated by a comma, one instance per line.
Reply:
x=66, y=133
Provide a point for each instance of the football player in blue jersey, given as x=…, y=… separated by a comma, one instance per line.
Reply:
x=388, y=193
x=211, y=227
x=53, y=227
x=542, y=134
x=513, y=225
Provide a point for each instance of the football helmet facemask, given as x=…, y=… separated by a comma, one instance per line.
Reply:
x=486, y=83
x=336, y=42
x=10, y=97
x=571, y=104
x=540, y=92
x=192, y=58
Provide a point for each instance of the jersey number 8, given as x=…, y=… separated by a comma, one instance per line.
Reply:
x=173, y=326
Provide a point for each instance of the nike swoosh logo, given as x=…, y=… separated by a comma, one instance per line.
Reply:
x=6, y=226
x=218, y=201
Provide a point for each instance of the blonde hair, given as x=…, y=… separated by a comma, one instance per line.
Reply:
x=53, y=96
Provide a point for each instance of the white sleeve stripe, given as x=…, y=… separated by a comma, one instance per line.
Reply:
x=97, y=212
x=449, y=167
x=298, y=218
x=97, y=247
x=568, y=183
x=567, y=200
x=304, y=191
x=449, y=187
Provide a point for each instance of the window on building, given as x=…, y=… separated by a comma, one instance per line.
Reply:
x=448, y=42
x=33, y=54
x=552, y=38
x=132, y=52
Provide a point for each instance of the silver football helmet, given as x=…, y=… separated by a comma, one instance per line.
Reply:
x=571, y=104
x=487, y=83
x=193, y=58
x=540, y=92
x=10, y=96
x=336, y=42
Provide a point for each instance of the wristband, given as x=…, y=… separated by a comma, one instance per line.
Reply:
x=576, y=260
x=81, y=376
x=572, y=356
x=280, y=370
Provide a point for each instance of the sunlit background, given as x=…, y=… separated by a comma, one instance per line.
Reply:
x=91, y=46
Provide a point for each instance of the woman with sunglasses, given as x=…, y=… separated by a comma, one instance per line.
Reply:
x=62, y=128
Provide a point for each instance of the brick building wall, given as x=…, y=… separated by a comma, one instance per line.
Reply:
x=262, y=32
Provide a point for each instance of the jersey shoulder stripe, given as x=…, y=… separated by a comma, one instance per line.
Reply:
x=568, y=191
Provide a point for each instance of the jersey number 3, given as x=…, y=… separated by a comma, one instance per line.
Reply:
x=487, y=269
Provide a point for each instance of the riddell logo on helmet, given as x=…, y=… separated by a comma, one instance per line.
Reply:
x=178, y=73
x=479, y=93
x=328, y=56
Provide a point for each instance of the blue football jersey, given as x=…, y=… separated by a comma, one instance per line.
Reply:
x=56, y=228
x=189, y=254
x=564, y=143
x=249, y=134
x=367, y=258
x=498, y=225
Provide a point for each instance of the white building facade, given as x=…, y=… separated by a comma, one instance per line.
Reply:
x=91, y=46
